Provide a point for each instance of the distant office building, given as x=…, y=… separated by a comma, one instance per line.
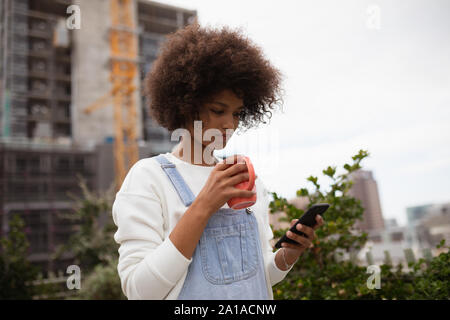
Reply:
x=428, y=224
x=366, y=190
x=437, y=226
x=388, y=244
x=416, y=213
x=390, y=223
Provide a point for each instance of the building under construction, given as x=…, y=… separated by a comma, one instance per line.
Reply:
x=49, y=75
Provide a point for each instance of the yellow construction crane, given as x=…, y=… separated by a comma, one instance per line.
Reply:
x=124, y=67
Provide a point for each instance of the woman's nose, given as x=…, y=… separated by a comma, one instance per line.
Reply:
x=229, y=124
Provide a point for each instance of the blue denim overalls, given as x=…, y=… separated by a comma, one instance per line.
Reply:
x=227, y=262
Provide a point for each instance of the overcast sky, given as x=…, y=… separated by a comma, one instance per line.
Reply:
x=371, y=75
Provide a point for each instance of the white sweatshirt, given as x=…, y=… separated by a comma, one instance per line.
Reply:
x=147, y=208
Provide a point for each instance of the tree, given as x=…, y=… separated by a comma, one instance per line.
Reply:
x=93, y=245
x=16, y=272
x=330, y=270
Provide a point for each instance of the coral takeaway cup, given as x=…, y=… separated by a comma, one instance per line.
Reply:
x=239, y=202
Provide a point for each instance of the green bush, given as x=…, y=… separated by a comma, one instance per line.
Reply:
x=93, y=246
x=323, y=273
x=16, y=272
x=102, y=283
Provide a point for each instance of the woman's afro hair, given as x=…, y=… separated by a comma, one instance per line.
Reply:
x=195, y=63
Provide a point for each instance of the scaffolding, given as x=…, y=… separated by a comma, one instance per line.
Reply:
x=36, y=79
x=35, y=108
x=38, y=185
x=35, y=97
x=124, y=66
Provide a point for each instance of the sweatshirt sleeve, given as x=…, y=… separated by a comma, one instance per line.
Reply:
x=149, y=265
x=275, y=273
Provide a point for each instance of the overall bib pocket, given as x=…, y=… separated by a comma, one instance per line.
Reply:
x=229, y=253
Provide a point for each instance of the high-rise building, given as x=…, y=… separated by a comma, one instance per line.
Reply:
x=428, y=224
x=365, y=189
x=48, y=76
x=416, y=213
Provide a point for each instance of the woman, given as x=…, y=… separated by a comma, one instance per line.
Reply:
x=178, y=237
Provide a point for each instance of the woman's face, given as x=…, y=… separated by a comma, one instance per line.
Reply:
x=220, y=112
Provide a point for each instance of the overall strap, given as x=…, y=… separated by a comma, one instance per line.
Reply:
x=177, y=180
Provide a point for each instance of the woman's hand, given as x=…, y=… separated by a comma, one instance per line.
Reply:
x=293, y=251
x=219, y=188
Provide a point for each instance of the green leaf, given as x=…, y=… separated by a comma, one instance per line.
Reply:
x=330, y=171
x=302, y=192
x=312, y=179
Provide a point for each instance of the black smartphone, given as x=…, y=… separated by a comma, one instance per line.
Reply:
x=307, y=219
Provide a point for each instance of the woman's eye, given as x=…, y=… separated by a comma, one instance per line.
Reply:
x=221, y=112
x=240, y=113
